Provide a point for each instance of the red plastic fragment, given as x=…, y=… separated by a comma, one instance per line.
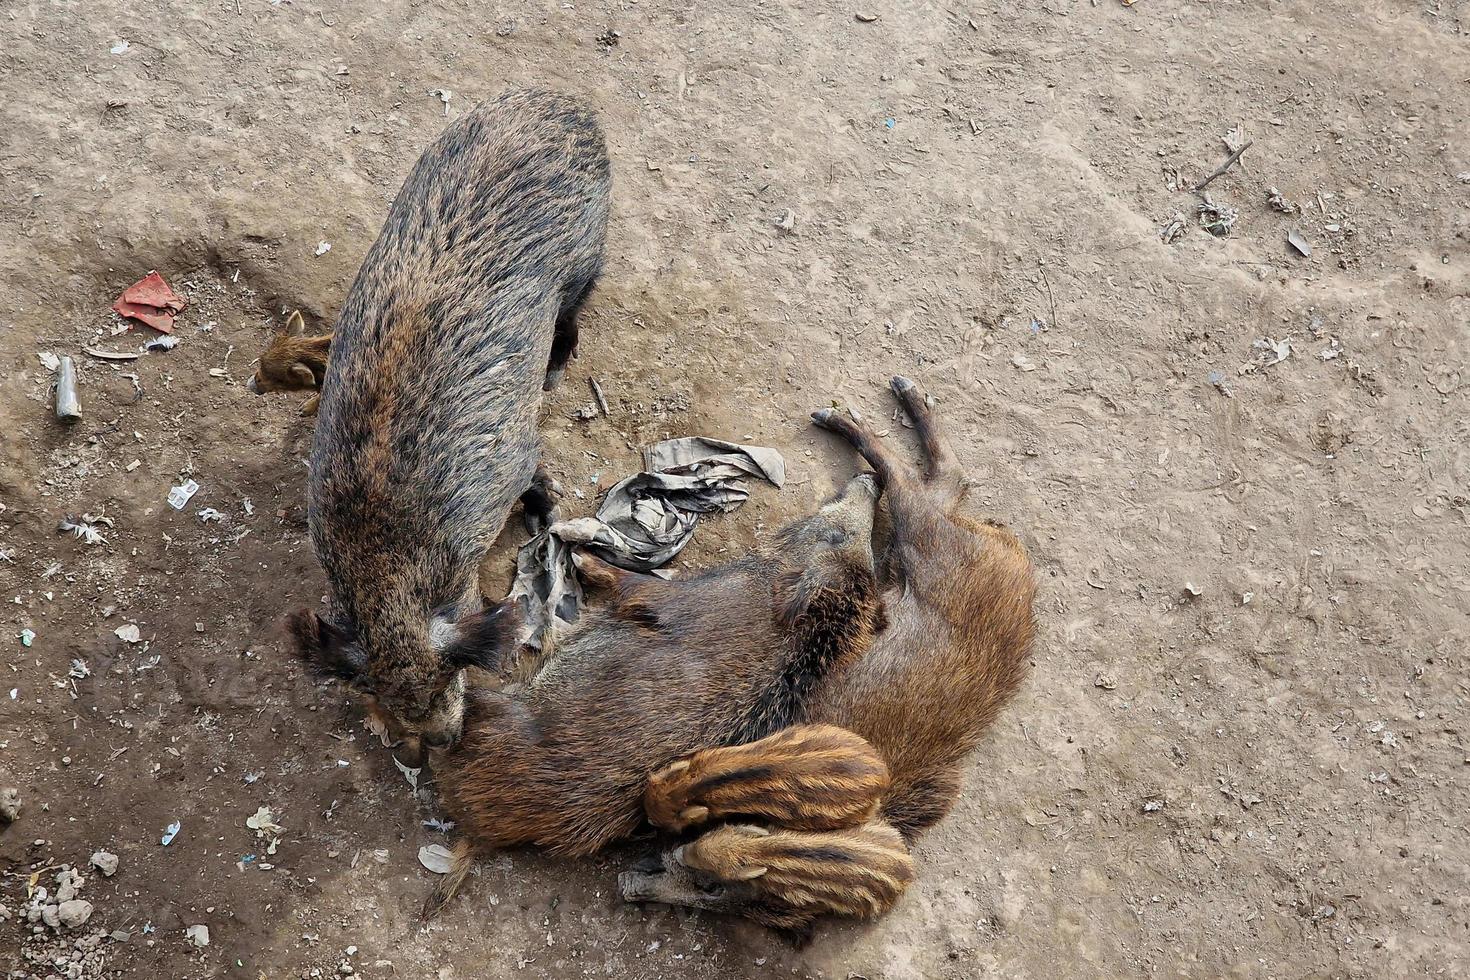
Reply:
x=150, y=300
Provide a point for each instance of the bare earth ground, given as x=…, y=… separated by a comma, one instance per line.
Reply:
x=1189, y=786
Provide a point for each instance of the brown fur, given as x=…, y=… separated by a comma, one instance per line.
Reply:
x=954, y=650
x=292, y=362
x=463, y=311
x=960, y=627
x=785, y=879
x=806, y=777
x=657, y=671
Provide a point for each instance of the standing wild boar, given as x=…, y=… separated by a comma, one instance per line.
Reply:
x=464, y=309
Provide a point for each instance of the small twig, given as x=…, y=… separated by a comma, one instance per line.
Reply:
x=1230, y=162
x=1051, y=303
x=597, y=393
x=237, y=8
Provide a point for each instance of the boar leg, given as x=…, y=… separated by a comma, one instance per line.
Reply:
x=885, y=465
x=538, y=502
x=564, y=342
x=942, y=463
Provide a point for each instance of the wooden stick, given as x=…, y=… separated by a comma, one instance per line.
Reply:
x=1230, y=162
x=597, y=393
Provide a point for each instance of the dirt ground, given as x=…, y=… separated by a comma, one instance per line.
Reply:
x=1267, y=778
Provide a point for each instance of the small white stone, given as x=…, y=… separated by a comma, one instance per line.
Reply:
x=198, y=935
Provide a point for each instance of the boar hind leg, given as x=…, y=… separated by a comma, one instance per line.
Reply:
x=564, y=342
x=943, y=466
x=538, y=502
x=886, y=466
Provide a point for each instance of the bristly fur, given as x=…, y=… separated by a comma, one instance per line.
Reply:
x=562, y=764
x=426, y=434
x=856, y=871
x=293, y=362
x=784, y=879
x=954, y=649
x=806, y=777
x=960, y=626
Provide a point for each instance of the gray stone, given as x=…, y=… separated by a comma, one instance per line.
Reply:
x=105, y=862
x=75, y=913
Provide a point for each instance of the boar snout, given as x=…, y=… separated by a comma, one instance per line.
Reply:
x=252, y=387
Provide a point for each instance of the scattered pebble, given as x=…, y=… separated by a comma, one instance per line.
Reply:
x=322, y=248
x=1279, y=203
x=105, y=862
x=9, y=804
x=129, y=633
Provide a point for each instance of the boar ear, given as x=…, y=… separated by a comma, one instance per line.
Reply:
x=327, y=650
x=295, y=324
x=693, y=814
x=303, y=375
x=484, y=639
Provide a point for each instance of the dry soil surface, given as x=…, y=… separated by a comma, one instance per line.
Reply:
x=1243, y=749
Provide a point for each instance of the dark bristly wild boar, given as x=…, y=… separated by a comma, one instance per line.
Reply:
x=958, y=602
x=806, y=777
x=293, y=362
x=784, y=879
x=654, y=672
x=464, y=309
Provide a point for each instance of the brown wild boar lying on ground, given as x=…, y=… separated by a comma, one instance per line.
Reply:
x=293, y=362
x=806, y=777
x=464, y=309
x=656, y=670
x=784, y=879
x=955, y=648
